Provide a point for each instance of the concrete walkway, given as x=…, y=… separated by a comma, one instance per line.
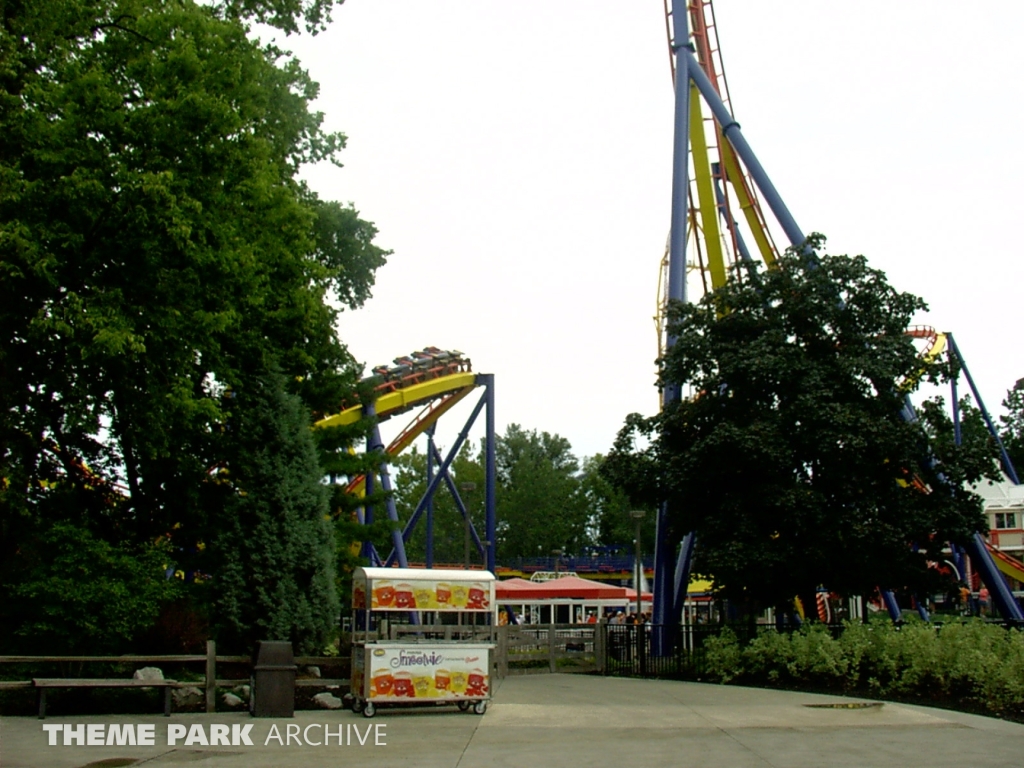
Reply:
x=568, y=720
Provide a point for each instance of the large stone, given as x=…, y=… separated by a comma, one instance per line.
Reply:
x=242, y=692
x=230, y=700
x=311, y=671
x=327, y=701
x=149, y=673
x=187, y=697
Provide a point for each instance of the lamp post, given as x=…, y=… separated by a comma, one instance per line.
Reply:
x=557, y=553
x=638, y=516
x=467, y=489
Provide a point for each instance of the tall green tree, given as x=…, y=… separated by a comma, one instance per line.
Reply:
x=539, y=504
x=158, y=251
x=608, y=509
x=790, y=459
x=978, y=453
x=1012, y=432
x=273, y=550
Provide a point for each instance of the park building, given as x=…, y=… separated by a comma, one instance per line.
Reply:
x=1004, y=510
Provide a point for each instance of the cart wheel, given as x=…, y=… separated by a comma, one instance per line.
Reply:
x=357, y=705
x=369, y=710
x=480, y=707
x=463, y=706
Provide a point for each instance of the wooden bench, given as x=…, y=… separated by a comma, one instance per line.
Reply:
x=43, y=684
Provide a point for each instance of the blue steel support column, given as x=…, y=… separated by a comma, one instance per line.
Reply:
x=922, y=609
x=731, y=130
x=441, y=472
x=957, y=435
x=430, y=501
x=490, y=474
x=976, y=549
x=680, y=171
x=1007, y=464
x=460, y=505
x=986, y=567
x=664, y=597
x=376, y=444
x=891, y=605
x=682, y=574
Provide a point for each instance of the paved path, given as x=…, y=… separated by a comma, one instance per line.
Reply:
x=572, y=720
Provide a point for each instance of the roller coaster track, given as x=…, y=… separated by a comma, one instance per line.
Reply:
x=719, y=184
x=700, y=202
x=1008, y=565
x=404, y=387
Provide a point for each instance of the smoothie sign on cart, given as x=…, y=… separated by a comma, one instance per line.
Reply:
x=401, y=674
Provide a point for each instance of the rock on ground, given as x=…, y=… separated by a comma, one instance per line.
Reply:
x=186, y=697
x=327, y=701
x=230, y=700
x=149, y=673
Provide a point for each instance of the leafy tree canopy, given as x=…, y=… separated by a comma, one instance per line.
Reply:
x=1012, y=433
x=790, y=460
x=79, y=594
x=545, y=500
x=273, y=551
x=609, y=508
x=540, y=506
x=157, y=253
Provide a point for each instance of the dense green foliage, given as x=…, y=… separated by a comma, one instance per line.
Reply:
x=79, y=594
x=157, y=252
x=1012, y=433
x=609, y=509
x=546, y=501
x=273, y=558
x=540, y=506
x=791, y=460
x=968, y=662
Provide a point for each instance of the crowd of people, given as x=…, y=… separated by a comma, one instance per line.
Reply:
x=634, y=618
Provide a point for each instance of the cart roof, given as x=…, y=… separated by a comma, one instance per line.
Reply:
x=421, y=574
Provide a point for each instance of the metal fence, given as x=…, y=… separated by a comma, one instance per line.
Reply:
x=548, y=648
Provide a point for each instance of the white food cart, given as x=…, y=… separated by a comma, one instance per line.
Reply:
x=422, y=637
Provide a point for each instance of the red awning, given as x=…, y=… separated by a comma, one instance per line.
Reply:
x=568, y=587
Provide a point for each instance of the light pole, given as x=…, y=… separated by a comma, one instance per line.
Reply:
x=638, y=516
x=467, y=489
x=557, y=553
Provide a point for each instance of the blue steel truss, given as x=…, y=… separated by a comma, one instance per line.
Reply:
x=438, y=472
x=672, y=571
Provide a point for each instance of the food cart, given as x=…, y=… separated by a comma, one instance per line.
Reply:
x=422, y=637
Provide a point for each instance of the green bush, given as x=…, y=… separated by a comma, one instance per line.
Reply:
x=968, y=662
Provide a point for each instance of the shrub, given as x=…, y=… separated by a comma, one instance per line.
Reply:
x=969, y=662
x=723, y=658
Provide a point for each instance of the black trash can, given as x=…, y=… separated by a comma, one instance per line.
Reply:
x=273, y=680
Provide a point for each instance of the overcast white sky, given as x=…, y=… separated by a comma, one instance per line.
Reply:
x=516, y=157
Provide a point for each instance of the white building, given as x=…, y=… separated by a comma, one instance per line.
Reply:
x=1004, y=508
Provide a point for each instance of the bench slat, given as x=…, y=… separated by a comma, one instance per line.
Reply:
x=43, y=683
x=85, y=682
